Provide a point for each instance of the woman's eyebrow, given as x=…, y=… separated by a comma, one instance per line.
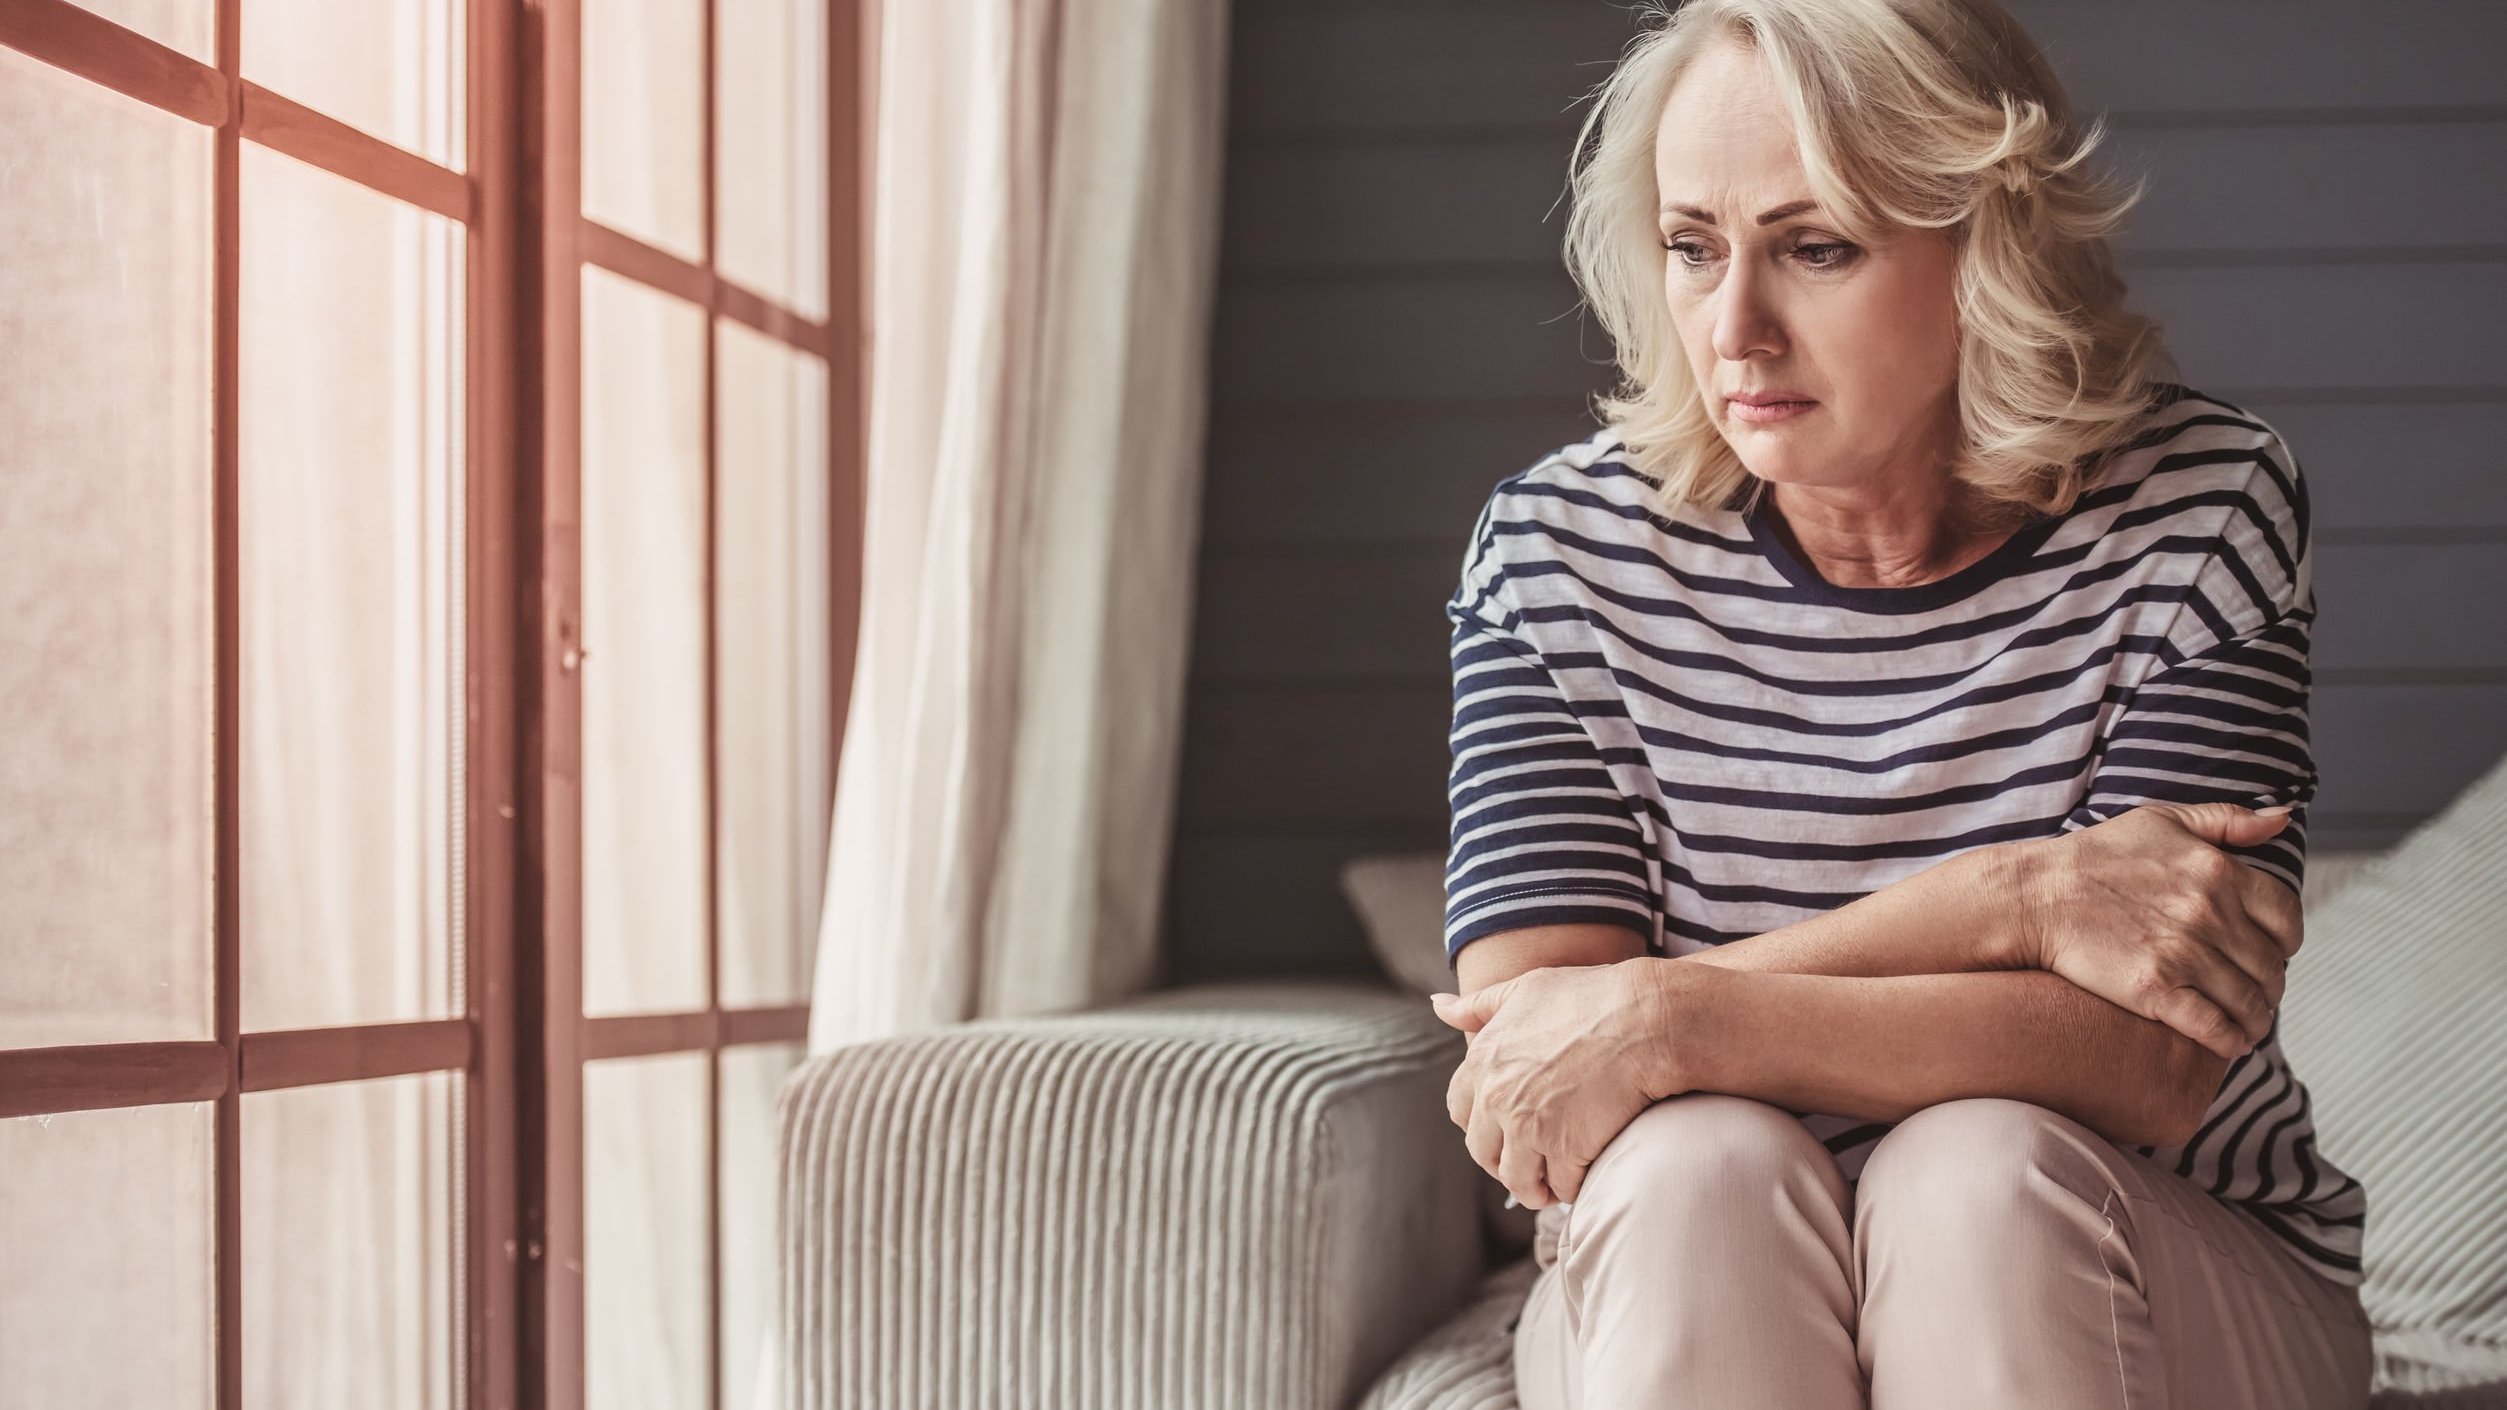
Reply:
x=1765, y=217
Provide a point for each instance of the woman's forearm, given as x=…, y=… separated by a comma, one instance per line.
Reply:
x=1885, y=1047
x=1963, y=914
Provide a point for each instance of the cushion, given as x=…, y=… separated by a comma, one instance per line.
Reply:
x=1469, y=1362
x=2396, y=1018
x=1400, y=900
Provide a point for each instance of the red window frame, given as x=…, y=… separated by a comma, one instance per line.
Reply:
x=522, y=1040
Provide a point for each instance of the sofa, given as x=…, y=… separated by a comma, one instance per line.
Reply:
x=1249, y=1195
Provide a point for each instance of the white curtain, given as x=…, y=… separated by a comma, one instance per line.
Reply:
x=1045, y=211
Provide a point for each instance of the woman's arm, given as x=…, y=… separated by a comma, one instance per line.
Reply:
x=1510, y=954
x=1870, y=1010
x=1886, y=1047
x=1957, y=915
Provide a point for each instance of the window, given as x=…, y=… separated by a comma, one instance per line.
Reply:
x=431, y=467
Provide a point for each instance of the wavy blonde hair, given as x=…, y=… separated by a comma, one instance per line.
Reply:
x=1936, y=113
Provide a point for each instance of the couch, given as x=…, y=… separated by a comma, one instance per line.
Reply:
x=1249, y=1195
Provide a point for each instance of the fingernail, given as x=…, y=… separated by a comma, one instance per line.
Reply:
x=1440, y=1000
x=2272, y=812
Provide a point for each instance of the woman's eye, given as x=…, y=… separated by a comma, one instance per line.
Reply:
x=1691, y=253
x=1824, y=256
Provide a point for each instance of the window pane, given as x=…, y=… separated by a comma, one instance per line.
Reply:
x=644, y=824
x=770, y=150
x=750, y=1079
x=771, y=617
x=107, y=626
x=106, y=1257
x=352, y=671
x=389, y=67
x=644, y=120
x=644, y=1234
x=351, y=1292
x=186, y=26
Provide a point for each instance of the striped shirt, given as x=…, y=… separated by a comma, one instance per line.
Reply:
x=1674, y=724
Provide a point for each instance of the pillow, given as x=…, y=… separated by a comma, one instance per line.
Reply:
x=2396, y=1020
x=1400, y=900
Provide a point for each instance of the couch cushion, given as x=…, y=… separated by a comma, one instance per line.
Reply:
x=2396, y=1018
x=1469, y=1362
x=1400, y=901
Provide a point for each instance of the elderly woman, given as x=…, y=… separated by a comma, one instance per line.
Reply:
x=1880, y=770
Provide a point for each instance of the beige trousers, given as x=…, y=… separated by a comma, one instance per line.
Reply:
x=1993, y=1255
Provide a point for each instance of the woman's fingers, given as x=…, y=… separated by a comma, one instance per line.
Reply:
x=2223, y=979
x=1518, y=1165
x=1522, y=1169
x=1460, y=1091
x=2274, y=908
x=1486, y=1141
x=2187, y=1010
x=1566, y=1179
x=2254, y=955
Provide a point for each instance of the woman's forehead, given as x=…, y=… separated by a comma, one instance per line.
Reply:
x=1725, y=131
x=1731, y=174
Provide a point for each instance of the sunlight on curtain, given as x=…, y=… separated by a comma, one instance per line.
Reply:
x=106, y=1260
x=772, y=633
x=644, y=1233
x=351, y=1293
x=751, y=1076
x=644, y=120
x=351, y=570
x=389, y=67
x=770, y=151
x=351, y=437
x=185, y=26
x=644, y=822
x=107, y=783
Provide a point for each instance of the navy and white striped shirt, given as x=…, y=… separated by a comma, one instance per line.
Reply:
x=1675, y=725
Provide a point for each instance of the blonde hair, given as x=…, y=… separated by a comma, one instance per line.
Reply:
x=1936, y=113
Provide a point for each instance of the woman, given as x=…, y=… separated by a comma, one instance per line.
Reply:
x=1880, y=775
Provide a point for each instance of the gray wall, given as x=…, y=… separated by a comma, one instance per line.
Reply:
x=2325, y=239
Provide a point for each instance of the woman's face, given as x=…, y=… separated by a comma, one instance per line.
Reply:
x=1770, y=301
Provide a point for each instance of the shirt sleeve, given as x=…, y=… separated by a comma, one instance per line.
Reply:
x=1541, y=834
x=2227, y=720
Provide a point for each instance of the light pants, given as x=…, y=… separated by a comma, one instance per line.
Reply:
x=1992, y=1255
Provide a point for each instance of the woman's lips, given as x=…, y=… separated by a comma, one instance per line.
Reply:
x=1763, y=412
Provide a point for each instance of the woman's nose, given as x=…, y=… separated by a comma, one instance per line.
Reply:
x=1745, y=326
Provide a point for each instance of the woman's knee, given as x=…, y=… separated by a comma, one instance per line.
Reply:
x=1699, y=1144
x=1971, y=1162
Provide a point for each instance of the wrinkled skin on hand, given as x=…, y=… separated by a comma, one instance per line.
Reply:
x=2145, y=911
x=1561, y=1060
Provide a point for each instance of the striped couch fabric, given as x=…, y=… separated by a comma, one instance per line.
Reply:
x=1234, y=1196
x=2397, y=1014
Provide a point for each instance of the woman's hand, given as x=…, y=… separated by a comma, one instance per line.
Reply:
x=1561, y=1059
x=2145, y=911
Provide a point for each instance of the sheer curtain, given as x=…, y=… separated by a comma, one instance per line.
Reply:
x=1045, y=208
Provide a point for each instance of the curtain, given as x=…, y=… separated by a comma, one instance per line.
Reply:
x=1045, y=230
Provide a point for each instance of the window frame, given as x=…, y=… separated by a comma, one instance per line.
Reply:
x=522, y=1041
